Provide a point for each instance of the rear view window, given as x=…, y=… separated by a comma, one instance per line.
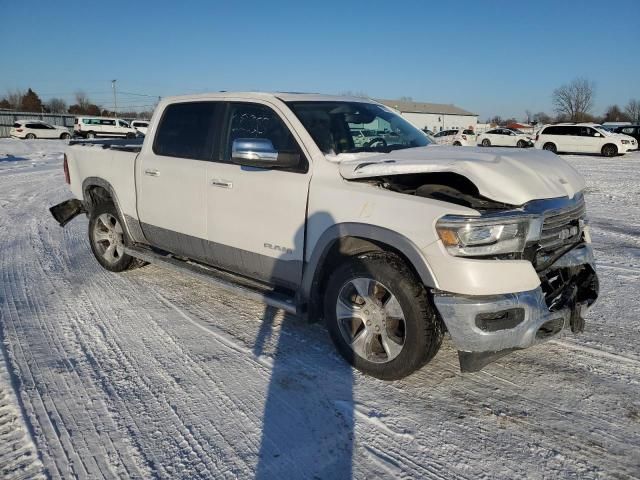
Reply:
x=186, y=131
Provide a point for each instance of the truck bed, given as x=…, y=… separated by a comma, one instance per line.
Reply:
x=123, y=144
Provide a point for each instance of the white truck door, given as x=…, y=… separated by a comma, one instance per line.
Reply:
x=171, y=179
x=256, y=217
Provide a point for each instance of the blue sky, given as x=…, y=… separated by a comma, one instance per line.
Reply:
x=490, y=57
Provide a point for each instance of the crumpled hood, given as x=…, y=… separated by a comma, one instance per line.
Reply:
x=513, y=176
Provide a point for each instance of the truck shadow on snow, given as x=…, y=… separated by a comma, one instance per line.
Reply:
x=301, y=439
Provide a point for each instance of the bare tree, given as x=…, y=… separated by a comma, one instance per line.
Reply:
x=14, y=97
x=82, y=100
x=574, y=100
x=57, y=105
x=542, y=118
x=615, y=114
x=633, y=110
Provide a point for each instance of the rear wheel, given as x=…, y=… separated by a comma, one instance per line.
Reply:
x=65, y=136
x=486, y=142
x=107, y=239
x=521, y=144
x=609, y=150
x=30, y=136
x=457, y=144
x=380, y=318
x=550, y=147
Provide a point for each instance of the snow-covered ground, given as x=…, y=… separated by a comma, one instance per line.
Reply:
x=150, y=374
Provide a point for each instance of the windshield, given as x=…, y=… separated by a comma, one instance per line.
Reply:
x=336, y=127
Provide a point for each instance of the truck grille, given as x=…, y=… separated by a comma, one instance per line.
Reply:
x=561, y=228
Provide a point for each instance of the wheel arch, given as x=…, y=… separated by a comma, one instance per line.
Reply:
x=96, y=190
x=345, y=240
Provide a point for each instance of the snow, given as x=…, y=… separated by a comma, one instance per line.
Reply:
x=150, y=374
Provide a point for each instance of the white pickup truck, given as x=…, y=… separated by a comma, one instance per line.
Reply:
x=393, y=242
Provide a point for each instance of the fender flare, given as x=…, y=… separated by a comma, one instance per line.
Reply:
x=132, y=225
x=366, y=232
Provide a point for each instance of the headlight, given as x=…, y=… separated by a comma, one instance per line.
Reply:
x=477, y=236
x=625, y=142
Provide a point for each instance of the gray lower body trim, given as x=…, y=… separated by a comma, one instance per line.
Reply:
x=285, y=273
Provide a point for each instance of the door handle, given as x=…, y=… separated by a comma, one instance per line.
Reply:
x=151, y=172
x=219, y=182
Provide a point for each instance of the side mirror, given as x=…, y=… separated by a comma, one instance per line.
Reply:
x=260, y=152
x=597, y=134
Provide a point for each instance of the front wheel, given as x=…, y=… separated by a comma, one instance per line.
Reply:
x=30, y=136
x=65, y=136
x=486, y=142
x=609, y=150
x=457, y=144
x=107, y=239
x=380, y=317
x=521, y=144
x=550, y=147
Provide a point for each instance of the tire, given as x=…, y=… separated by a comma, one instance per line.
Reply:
x=65, y=136
x=412, y=333
x=521, y=144
x=550, y=147
x=105, y=230
x=486, y=142
x=30, y=136
x=457, y=144
x=91, y=135
x=609, y=150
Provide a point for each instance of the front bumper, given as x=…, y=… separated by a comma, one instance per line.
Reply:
x=484, y=328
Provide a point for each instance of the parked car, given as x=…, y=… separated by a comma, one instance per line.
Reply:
x=631, y=131
x=390, y=244
x=456, y=137
x=30, y=129
x=140, y=126
x=92, y=127
x=505, y=137
x=583, y=138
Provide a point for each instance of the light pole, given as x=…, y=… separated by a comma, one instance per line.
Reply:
x=115, y=98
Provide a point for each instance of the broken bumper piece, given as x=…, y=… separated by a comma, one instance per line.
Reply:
x=66, y=211
x=486, y=328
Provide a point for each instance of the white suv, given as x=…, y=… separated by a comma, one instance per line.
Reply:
x=92, y=127
x=30, y=129
x=140, y=126
x=456, y=137
x=583, y=138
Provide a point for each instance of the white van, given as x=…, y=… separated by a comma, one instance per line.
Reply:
x=92, y=127
x=583, y=138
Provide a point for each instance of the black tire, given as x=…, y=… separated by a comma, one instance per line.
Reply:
x=91, y=135
x=609, y=150
x=457, y=144
x=422, y=328
x=30, y=136
x=118, y=261
x=486, y=142
x=521, y=144
x=550, y=147
x=65, y=136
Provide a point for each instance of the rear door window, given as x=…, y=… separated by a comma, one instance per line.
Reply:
x=187, y=130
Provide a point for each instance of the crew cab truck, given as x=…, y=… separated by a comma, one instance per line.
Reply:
x=393, y=242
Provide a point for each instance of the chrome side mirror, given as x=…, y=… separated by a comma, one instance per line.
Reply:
x=260, y=152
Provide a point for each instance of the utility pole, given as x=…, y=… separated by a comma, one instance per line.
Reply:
x=115, y=98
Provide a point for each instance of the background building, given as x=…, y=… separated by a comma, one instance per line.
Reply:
x=433, y=116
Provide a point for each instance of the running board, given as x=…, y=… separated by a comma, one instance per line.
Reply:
x=217, y=278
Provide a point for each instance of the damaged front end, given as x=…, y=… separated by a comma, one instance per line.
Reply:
x=558, y=247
